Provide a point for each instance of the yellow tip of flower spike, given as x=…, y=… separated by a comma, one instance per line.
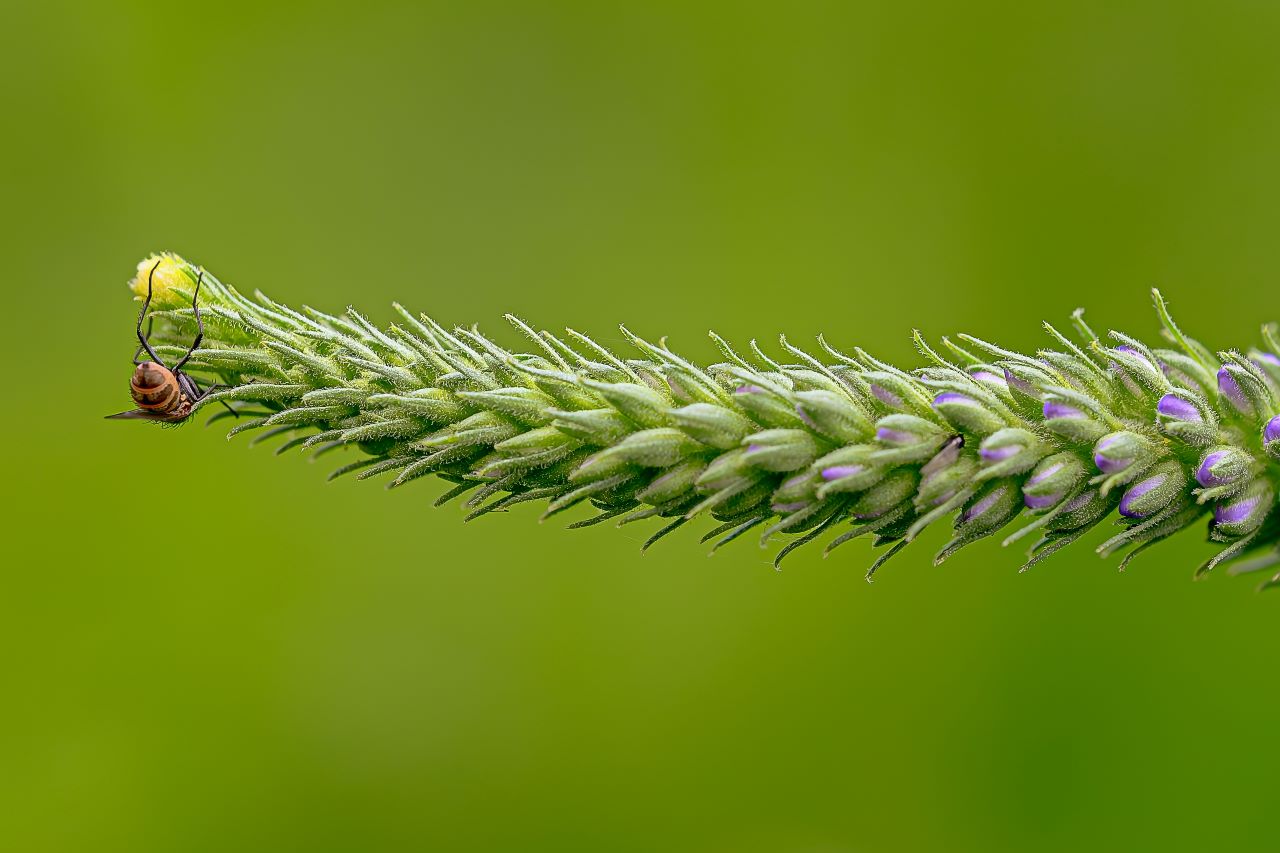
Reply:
x=172, y=278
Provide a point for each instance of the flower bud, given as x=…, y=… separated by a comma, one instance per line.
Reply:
x=1223, y=466
x=966, y=413
x=945, y=474
x=1271, y=432
x=766, y=407
x=1072, y=422
x=1119, y=452
x=833, y=416
x=171, y=280
x=1051, y=480
x=639, y=403
x=1244, y=513
x=906, y=431
x=1134, y=369
x=1012, y=450
x=885, y=495
x=649, y=448
x=994, y=382
x=846, y=470
x=1082, y=510
x=1240, y=389
x=892, y=391
x=1175, y=408
x=714, y=426
x=990, y=509
x=1026, y=380
x=1154, y=492
x=780, y=449
x=672, y=483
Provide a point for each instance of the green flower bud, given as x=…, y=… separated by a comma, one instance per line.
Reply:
x=715, y=426
x=650, y=448
x=765, y=407
x=600, y=427
x=638, y=403
x=673, y=482
x=891, y=491
x=991, y=508
x=834, y=416
x=1083, y=510
x=780, y=449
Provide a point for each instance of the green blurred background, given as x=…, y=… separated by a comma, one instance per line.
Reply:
x=210, y=649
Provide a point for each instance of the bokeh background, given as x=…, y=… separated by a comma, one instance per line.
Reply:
x=210, y=649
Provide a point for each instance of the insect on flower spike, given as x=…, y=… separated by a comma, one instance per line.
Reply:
x=1059, y=441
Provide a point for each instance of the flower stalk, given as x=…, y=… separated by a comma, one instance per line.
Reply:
x=1157, y=439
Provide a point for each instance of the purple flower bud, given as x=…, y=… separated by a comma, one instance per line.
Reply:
x=998, y=454
x=1173, y=406
x=982, y=505
x=1205, y=475
x=1044, y=474
x=884, y=395
x=1078, y=501
x=1127, y=508
x=1268, y=358
x=1234, y=513
x=751, y=448
x=748, y=389
x=1019, y=384
x=894, y=436
x=805, y=419
x=1230, y=388
x=1272, y=430
x=1040, y=501
x=1245, y=513
x=837, y=472
x=1053, y=409
x=988, y=377
x=954, y=397
x=1109, y=464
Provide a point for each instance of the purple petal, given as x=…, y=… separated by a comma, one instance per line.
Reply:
x=1045, y=474
x=1272, y=431
x=988, y=376
x=1234, y=513
x=838, y=472
x=752, y=448
x=894, y=436
x=983, y=505
x=1205, y=475
x=808, y=421
x=1268, y=358
x=1041, y=501
x=1078, y=502
x=1142, y=488
x=1054, y=409
x=884, y=395
x=954, y=397
x=1230, y=389
x=996, y=454
x=1173, y=406
x=748, y=389
x=1020, y=384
